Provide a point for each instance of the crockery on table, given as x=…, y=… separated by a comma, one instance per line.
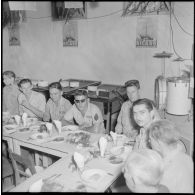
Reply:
x=102, y=144
x=117, y=150
x=36, y=186
x=40, y=137
x=93, y=175
x=24, y=129
x=58, y=125
x=79, y=160
x=34, y=127
x=114, y=136
x=70, y=128
x=115, y=160
x=42, y=128
x=49, y=127
x=10, y=127
x=24, y=119
x=17, y=119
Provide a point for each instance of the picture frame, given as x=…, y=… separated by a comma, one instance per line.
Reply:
x=60, y=12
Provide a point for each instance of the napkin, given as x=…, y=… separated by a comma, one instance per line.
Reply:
x=24, y=119
x=102, y=144
x=114, y=136
x=79, y=160
x=58, y=125
x=17, y=119
x=49, y=127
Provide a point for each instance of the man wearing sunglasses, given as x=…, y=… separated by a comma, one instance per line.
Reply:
x=85, y=114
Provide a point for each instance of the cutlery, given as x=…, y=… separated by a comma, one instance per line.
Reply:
x=12, y=132
x=52, y=177
x=110, y=174
x=48, y=178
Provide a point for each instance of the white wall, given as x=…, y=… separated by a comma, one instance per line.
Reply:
x=106, y=50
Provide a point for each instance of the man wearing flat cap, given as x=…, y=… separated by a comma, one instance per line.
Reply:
x=124, y=122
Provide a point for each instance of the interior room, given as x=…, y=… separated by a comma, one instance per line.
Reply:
x=90, y=55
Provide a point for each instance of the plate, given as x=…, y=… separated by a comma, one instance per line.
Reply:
x=24, y=129
x=36, y=187
x=34, y=127
x=117, y=150
x=115, y=160
x=93, y=175
x=10, y=127
x=39, y=136
x=70, y=127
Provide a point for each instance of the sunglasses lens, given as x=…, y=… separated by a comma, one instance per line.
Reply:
x=77, y=101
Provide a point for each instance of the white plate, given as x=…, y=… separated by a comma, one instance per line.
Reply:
x=70, y=127
x=93, y=175
x=34, y=127
x=40, y=137
x=11, y=127
x=116, y=160
x=118, y=150
x=24, y=129
x=58, y=139
x=36, y=187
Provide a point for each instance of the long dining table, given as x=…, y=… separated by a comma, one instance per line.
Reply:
x=71, y=179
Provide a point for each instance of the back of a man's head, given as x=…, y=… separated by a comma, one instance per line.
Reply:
x=9, y=74
x=145, y=166
x=164, y=131
x=23, y=81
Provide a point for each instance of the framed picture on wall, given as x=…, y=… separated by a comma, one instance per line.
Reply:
x=70, y=34
x=62, y=10
x=131, y=8
x=146, y=35
x=14, y=35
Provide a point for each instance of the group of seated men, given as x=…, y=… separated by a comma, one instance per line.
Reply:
x=155, y=139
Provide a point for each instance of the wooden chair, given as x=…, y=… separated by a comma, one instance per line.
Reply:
x=7, y=175
x=16, y=170
x=188, y=145
x=19, y=175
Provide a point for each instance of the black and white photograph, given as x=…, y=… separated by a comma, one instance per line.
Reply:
x=97, y=96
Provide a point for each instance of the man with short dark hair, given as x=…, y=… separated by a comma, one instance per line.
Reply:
x=87, y=115
x=10, y=93
x=144, y=113
x=30, y=102
x=57, y=105
x=124, y=122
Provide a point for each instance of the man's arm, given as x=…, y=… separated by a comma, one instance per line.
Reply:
x=33, y=109
x=46, y=114
x=68, y=118
x=118, y=128
x=97, y=122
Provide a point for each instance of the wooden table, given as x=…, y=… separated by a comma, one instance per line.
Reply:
x=9, y=141
x=61, y=149
x=72, y=179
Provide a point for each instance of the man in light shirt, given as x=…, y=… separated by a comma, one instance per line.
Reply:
x=124, y=122
x=85, y=114
x=30, y=102
x=57, y=106
x=10, y=93
x=144, y=114
x=178, y=173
